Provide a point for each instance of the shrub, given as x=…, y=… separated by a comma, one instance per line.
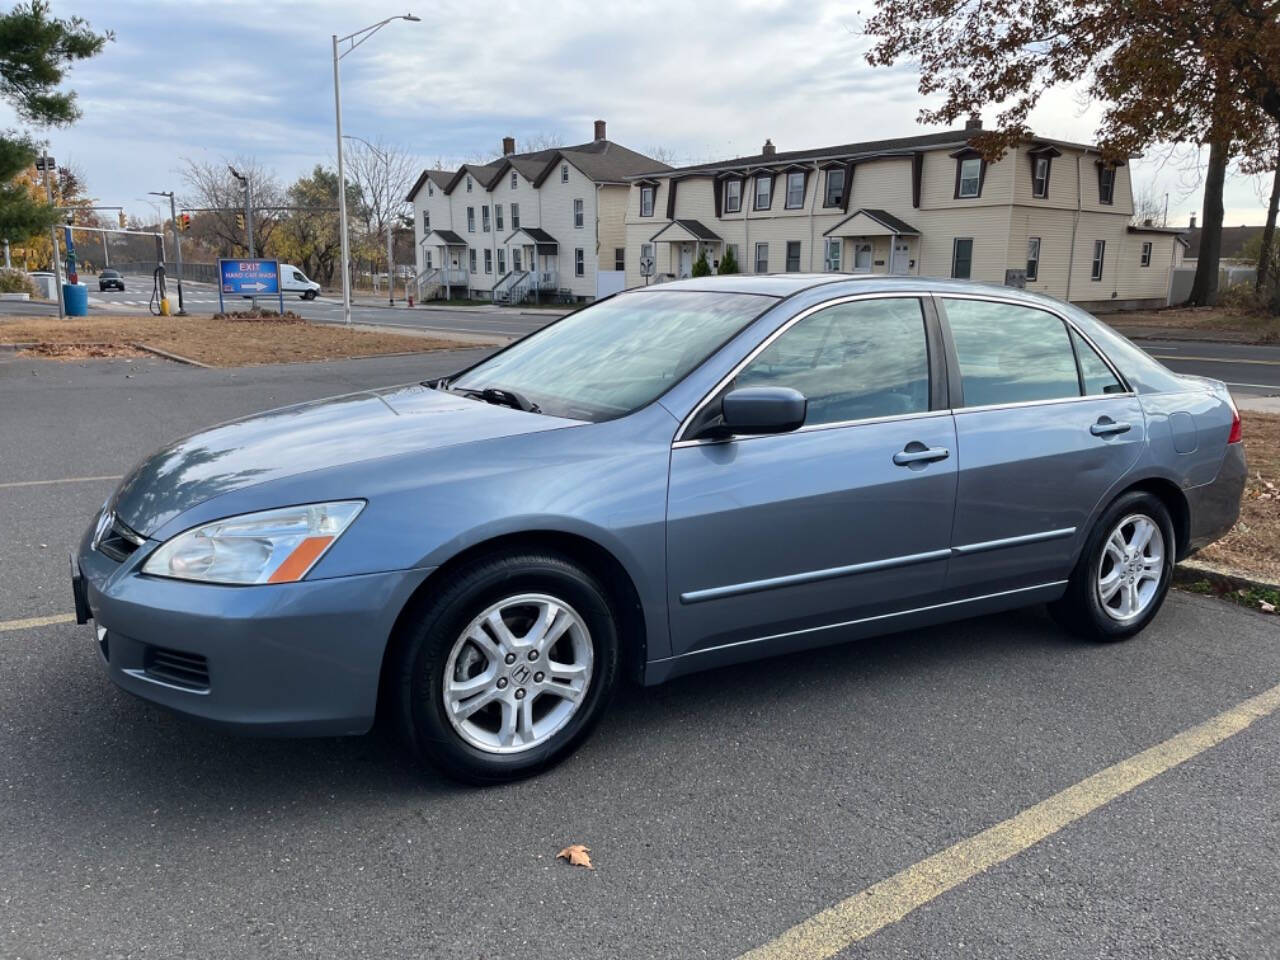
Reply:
x=15, y=281
x=728, y=263
x=700, y=266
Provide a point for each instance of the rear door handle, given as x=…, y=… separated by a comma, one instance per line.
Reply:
x=1107, y=427
x=917, y=452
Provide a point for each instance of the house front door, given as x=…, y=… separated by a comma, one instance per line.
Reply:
x=686, y=260
x=900, y=260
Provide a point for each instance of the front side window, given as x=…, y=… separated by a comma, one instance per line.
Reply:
x=472, y=251
x=795, y=189
x=853, y=361
x=497, y=215
x=484, y=218
x=834, y=196
x=962, y=258
x=764, y=192
x=515, y=216
x=1040, y=178
x=488, y=261
x=1146, y=253
x=1095, y=376
x=793, y=256
x=646, y=201
x=471, y=219
x=617, y=355
x=1099, y=257
x=579, y=263
x=969, y=177
x=732, y=196
x=1033, y=258
x=577, y=214
x=619, y=258
x=762, y=258
x=1106, y=184
x=564, y=173
x=832, y=258
x=1011, y=354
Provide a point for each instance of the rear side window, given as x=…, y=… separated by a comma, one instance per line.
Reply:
x=1095, y=375
x=853, y=361
x=1011, y=354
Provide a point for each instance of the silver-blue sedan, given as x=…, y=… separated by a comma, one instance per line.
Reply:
x=675, y=478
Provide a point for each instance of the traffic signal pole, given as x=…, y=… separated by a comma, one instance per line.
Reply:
x=177, y=248
x=47, y=165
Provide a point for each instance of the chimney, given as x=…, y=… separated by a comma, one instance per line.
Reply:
x=973, y=124
x=600, y=130
x=1193, y=221
x=768, y=149
x=508, y=146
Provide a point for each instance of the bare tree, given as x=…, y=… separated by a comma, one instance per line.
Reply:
x=213, y=190
x=540, y=141
x=382, y=174
x=664, y=155
x=1148, y=206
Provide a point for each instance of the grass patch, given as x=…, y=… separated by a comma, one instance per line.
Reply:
x=217, y=341
x=1265, y=599
x=1252, y=548
x=1237, y=323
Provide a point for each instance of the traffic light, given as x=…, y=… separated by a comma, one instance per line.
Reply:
x=184, y=222
x=123, y=220
x=239, y=221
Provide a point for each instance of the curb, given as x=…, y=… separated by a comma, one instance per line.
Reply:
x=176, y=358
x=1191, y=572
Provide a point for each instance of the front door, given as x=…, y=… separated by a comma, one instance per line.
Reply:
x=901, y=259
x=784, y=539
x=862, y=256
x=1042, y=438
x=686, y=260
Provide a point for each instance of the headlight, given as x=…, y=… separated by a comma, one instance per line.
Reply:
x=274, y=546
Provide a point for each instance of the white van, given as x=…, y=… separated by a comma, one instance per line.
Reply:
x=293, y=280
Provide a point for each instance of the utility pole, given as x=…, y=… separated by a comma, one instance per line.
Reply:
x=177, y=242
x=248, y=218
x=47, y=165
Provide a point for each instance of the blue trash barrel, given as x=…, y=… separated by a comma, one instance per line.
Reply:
x=76, y=298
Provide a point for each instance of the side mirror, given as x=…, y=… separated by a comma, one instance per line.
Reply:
x=763, y=410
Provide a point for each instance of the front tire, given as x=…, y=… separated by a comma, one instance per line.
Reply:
x=309, y=295
x=507, y=669
x=1124, y=572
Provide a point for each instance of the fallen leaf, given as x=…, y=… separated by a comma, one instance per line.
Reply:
x=577, y=855
x=1267, y=607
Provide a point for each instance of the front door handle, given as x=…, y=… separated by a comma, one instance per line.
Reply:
x=917, y=453
x=1106, y=427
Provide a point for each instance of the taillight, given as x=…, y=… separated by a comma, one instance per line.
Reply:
x=1237, y=429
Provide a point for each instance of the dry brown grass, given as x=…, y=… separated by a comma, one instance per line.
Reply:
x=1232, y=323
x=1252, y=548
x=217, y=342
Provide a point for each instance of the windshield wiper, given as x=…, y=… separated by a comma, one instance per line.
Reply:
x=499, y=396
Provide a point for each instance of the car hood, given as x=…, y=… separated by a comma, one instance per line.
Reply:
x=310, y=436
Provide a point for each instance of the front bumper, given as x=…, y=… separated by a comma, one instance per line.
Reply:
x=1215, y=506
x=297, y=659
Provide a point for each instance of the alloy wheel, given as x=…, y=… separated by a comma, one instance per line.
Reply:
x=1132, y=567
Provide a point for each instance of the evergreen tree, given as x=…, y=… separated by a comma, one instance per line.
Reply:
x=700, y=266
x=728, y=262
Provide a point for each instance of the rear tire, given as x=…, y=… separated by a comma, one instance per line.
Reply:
x=1124, y=572
x=489, y=700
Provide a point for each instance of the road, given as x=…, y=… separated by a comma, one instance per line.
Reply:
x=721, y=810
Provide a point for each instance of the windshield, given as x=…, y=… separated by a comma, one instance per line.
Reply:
x=618, y=355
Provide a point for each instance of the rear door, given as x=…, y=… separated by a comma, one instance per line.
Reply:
x=777, y=539
x=1045, y=428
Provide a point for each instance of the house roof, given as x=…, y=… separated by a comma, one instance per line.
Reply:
x=450, y=238
x=883, y=223
x=440, y=178
x=1177, y=233
x=544, y=241
x=602, y=161
x=1233, y=241
x=686, y=230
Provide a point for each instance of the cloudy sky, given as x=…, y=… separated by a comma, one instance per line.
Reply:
x=212, y=79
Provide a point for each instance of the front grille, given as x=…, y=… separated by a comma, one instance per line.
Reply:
x=119, y=542
x=189, y=670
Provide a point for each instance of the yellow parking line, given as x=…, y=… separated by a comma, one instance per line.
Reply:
x=36, y=622
x=888, y=901
x=1183, y=356
x=43, y=483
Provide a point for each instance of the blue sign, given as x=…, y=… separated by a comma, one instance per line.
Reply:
x=250, y=278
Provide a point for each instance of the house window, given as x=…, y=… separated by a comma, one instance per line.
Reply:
x=832, y=257
x=1033, y=258
x=564, y=173
x=515, y=216
x=579, y=263
x=646, y=201
x=835, y=188
x=426, y=254
x=431, y=189
x=471, y=219
x=764, y=192
x=962, y=258
x=515, y=260
x=472, y=251
x=502, y=261
x=426, y=221
x=497, y=215
x=488, y=261
x=1040, y=178
x=484, y=218
x=793, y=256
x=968, y=177
x=515, y=179
x=795, y=189
x=1106, y=184
x=1146, y=254
x=762, y=258
x=732, y=196
x=1099, y=255
x=619, y=258
x=862, y=256
x=577, y=214
x=468, y=184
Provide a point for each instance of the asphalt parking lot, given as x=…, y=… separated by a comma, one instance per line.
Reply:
x=724, y=811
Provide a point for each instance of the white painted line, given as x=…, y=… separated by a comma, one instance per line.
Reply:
x=1251, y=386
x=32, y=622
x=1184, y=357
x=45, y=483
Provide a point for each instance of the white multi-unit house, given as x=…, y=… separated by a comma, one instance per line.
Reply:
x=1049, y=215
x=544, y=225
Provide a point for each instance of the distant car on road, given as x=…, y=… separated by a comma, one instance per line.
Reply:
x=675, y=478
x=110, y=280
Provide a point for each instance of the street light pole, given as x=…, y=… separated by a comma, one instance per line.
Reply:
x=357, y=38
x=177, y=242
x=47, y=165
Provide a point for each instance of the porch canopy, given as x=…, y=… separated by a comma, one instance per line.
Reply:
x=685, y=231
x=443, y=238
x=872, y=223
x=542, y=241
